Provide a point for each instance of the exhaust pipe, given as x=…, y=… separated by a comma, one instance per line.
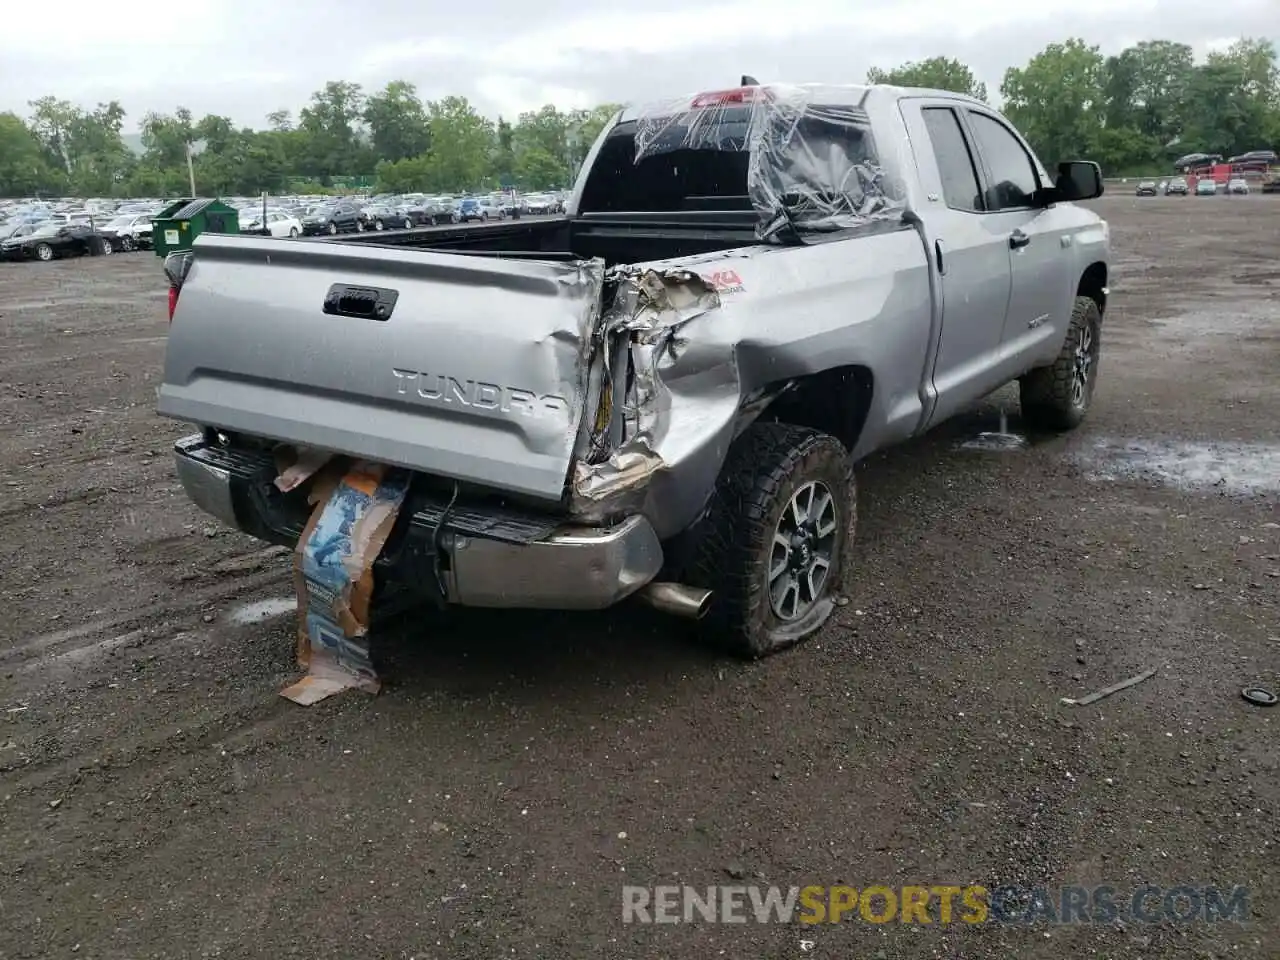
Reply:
x=677, y=599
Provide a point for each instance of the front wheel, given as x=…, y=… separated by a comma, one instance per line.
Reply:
x=44, y=252
x=1057, y=397
x=379, y=225
x=332, y=228
x=127, y=244
x=773, y=543
x=408, y=224
x=293, y=233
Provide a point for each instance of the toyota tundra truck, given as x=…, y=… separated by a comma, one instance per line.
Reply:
x=660, y=394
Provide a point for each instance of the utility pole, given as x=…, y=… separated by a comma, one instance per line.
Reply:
x=191, y=171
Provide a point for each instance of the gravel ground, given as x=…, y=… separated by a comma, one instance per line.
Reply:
x=158, y=799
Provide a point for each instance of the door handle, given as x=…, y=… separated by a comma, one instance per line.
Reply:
x=938, y=253
x=1018, y=239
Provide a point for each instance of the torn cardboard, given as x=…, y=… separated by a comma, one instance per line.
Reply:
x=333, y=572
x=296, y=466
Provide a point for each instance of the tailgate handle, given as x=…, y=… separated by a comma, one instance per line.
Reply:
x=363, y=303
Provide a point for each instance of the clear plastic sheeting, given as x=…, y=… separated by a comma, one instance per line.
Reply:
x=706, y=121
x=812, y=161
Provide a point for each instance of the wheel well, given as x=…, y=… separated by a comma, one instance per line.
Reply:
x=835, y=401
x=1094, y=285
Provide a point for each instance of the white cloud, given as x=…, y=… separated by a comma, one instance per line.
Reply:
x=512, y=95
x=91, y=29
x=244, y=58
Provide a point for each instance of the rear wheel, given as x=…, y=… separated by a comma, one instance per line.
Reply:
x=379, y=225
x=773, y=543
x=1057, y=397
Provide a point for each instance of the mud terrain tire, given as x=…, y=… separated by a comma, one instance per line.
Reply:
x=734, y=549
x=1057, y=397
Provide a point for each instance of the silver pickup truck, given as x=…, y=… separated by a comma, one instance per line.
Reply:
x=661, y=393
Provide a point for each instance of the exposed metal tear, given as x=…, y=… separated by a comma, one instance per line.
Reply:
x=662, y=300
x=640, y=326
x=629, y=468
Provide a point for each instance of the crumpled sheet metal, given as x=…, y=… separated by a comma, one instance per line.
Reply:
x=648, y=309
x=333, y=573
x=812, y=165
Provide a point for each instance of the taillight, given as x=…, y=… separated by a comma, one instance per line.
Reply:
x=176, y=267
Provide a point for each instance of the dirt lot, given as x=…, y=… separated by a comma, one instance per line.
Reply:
x=158, y=799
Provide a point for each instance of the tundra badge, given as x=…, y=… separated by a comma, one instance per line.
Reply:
x=439, y=388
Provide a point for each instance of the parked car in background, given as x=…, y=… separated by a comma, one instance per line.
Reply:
x=1147, y=188
x=472, y=209
x=332, y=218
x=22, y=219
x=278, y=223
x=509, y=205
x=17, y=229
x=381, y=216
x=427, y=213
x=52, y=240
x=442, y=210
x=540, y=203
x=1237, y=185
x=1206, y=187
x=1254, y=156
x=128, y=233
x=1178, y=185
x=410, y=214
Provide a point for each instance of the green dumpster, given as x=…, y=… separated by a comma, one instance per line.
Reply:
x=177, y=225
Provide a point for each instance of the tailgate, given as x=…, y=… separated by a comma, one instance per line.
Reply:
x=477, y=370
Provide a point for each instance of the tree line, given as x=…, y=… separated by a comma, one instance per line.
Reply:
x=1133, y=113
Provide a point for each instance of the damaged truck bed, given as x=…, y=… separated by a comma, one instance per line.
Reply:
x=664, y=391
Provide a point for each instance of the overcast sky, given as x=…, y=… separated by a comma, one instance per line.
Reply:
x=244, y=58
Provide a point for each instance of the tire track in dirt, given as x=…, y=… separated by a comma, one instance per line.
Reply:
x=69, y=641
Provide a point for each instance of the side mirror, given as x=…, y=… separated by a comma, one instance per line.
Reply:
x=1078, y=180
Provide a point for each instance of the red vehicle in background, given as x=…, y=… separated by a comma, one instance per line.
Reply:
x=1258, y=166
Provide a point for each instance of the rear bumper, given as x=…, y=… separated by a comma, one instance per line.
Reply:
x=482, y=555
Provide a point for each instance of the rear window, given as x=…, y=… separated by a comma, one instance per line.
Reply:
x=798, y=161
x=670, y=179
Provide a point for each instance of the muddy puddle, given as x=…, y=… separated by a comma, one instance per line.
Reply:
x=1223, y=466
x=1227, y=315
x=999, y=440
